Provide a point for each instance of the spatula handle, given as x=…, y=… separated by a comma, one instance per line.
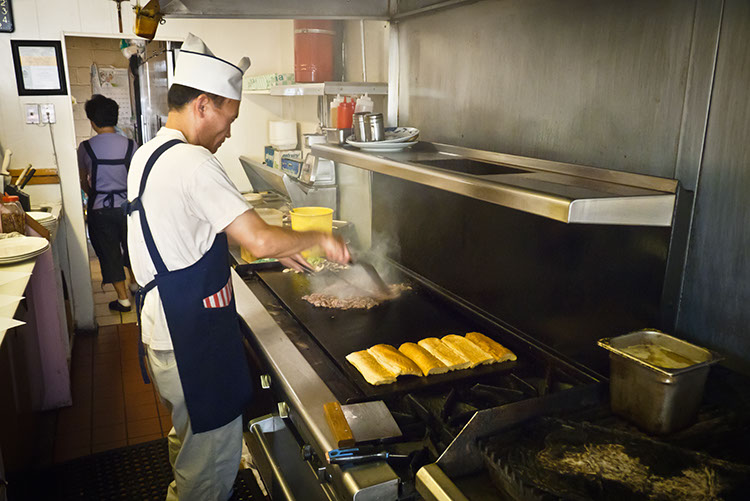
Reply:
x=342, y=432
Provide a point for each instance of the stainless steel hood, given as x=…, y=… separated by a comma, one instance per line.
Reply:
x=277, y=9
x=564, y=192
x=264, y=178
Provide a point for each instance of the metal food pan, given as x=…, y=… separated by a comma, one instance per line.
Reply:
x=660, y=400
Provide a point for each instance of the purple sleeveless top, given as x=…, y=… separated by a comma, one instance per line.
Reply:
x=106, y=146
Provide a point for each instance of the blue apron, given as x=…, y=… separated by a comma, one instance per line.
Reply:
x=109, y=200
x=199, y=305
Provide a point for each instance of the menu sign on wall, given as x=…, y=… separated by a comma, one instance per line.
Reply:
x=6, y=17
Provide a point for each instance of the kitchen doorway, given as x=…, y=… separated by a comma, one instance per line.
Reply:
x=136, y=74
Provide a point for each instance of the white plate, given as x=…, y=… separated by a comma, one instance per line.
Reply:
x=399, y=134
x=392, y=135
x=19, y=249
x=382, y=147
x=41, y=216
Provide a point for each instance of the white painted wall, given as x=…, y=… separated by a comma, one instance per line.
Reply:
x=269, y=44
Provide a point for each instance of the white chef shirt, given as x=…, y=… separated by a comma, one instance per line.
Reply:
x=188, y=200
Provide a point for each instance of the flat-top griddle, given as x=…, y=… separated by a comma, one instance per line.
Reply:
x=417, y=314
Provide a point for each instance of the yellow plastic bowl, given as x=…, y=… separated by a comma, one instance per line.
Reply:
x=312, y=219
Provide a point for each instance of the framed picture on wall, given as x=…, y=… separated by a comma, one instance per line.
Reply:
x=39, y=67
x=6, y=17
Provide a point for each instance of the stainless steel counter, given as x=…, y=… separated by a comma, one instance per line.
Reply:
x=306, y=393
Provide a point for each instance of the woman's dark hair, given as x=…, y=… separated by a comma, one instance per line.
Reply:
x=102, y=111
x=180, y=95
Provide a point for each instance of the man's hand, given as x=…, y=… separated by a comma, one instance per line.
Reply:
x=262, y=240
x=296, y=262
x=335, y=249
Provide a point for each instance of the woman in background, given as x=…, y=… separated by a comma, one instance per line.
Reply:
x=103, y=162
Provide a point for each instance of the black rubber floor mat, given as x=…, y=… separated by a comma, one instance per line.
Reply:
x=137, y=472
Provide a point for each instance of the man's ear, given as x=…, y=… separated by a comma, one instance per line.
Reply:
x=200, y=105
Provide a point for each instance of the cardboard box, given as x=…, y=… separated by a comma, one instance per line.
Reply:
x=268, y=156
x=263, y=82
x=279, y=154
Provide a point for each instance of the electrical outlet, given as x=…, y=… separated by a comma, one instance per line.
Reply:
x=32, y=113
x=47, y=112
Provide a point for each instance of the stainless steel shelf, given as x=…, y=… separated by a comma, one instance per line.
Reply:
x=564, y=192
x=330, y=88
x=278, y=9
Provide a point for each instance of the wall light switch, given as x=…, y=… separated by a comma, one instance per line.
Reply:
x=32, y=113
x=47, y=112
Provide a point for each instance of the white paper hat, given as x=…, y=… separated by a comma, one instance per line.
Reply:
x=197, y=67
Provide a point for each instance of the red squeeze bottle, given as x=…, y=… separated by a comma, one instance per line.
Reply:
x=346, y=111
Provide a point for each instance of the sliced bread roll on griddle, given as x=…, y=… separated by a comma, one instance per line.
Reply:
x=426, y=362
x=450, y=357
x=371, y=370
x=471, y=351
x=499, y=352
x=394, y=361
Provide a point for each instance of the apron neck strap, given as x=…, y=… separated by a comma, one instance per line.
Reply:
x=147, y=236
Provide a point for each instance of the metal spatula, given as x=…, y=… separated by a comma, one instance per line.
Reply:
x=377, y=283
x=361, y=275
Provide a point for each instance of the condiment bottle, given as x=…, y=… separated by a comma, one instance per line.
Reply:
x=12, y=216
x=335, y=109
x=346, y=110
x=364, y=105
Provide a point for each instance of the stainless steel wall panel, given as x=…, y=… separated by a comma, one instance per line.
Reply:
x=700, y=79
x=714, y=311
x=564, y=285
x=587, y=82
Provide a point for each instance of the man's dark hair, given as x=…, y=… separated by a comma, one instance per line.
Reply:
x=102, y=111
x=180, y=95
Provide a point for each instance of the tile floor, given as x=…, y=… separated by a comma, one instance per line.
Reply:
x=112, y=406
x=103, y=295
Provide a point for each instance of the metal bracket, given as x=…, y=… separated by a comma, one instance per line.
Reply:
x=283, y=410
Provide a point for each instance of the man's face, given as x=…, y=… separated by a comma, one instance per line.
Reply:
x=217, y=122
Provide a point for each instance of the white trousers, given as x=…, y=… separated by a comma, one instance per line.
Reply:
x=205, y=464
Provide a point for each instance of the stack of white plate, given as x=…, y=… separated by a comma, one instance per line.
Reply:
x=13, y=250
x=396, y=139
x=45, y=219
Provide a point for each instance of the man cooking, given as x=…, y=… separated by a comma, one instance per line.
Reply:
x=182, y=207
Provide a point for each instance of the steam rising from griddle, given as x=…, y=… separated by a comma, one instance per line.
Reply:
x=357, y=283
x=353, y=287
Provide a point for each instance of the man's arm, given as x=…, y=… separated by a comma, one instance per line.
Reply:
x=263, y=240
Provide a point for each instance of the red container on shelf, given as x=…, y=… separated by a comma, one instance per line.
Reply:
x=313, y=50
x=345, y=114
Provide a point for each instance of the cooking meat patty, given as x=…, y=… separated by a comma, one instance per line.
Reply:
x=356, y=302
